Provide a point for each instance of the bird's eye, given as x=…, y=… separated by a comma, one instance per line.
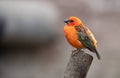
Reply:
x=71, y=21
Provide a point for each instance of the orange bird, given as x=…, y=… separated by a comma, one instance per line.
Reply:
x=79, y=36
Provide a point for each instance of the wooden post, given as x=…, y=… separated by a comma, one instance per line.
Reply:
x=78, y=65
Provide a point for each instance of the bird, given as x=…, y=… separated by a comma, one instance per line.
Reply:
x=79, y=35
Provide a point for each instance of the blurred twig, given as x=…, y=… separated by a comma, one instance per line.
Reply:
x=78, y=65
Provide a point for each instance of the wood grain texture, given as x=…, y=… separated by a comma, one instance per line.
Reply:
x=78, y=65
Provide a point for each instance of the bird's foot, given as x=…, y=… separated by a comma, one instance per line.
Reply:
x=76, y=51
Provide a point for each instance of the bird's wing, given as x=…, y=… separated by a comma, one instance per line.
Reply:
x=85, y=38
x=86, y=41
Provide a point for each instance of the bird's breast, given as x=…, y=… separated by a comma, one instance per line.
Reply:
x=71, y=36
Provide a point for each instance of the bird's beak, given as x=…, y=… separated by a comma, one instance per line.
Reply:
x=65, y=21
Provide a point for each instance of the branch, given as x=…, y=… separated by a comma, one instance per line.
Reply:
x=78, y=65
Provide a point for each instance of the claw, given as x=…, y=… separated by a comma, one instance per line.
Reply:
x=76, y=51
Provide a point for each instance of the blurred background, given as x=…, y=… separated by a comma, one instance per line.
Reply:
x=32, y=42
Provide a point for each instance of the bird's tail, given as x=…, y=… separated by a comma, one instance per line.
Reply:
x=98, y=55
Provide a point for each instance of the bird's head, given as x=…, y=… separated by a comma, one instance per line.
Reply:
x=73, y=21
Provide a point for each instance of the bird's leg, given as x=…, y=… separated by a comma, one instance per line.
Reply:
x=76, y=51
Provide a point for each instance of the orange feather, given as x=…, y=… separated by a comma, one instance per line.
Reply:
x=71, y=36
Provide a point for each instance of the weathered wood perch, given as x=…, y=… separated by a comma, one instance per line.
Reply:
x=78, y=65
